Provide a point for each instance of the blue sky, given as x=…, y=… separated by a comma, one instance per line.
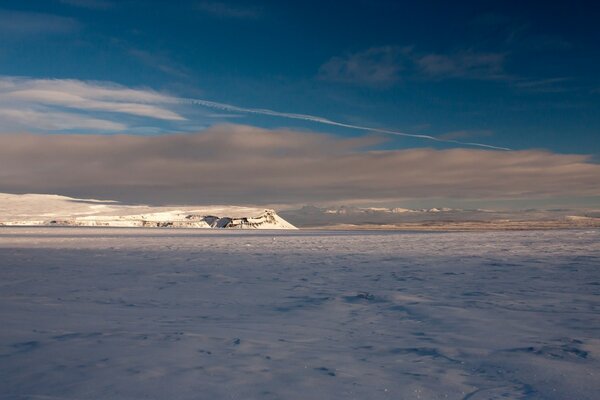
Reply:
x=518, y=75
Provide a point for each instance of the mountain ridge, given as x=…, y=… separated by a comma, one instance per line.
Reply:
x=56, y=210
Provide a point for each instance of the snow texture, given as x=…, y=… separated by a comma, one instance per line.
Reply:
x=99, y=313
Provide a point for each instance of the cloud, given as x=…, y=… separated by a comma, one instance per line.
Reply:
x=549, y=85
x=464, y=64
x=326, y=121
x=161, y=62
x=91, y=4
x=77, y=104
x=377, y=66
x=26, y=118
x=245, y=165
x=88, y=103
x=385, y=66
x=225, y=10
x=464, y=134
x=17, y=23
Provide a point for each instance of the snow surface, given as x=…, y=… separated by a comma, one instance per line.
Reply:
x=96, y=313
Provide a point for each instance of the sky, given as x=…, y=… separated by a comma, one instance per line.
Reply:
x=263, y=102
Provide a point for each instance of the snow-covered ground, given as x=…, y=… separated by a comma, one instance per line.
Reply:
x=96, y=313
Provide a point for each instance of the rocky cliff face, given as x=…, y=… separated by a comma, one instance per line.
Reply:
x=267, y=220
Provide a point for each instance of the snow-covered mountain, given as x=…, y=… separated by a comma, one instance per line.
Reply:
x=348, y=210
x=41, y=209
x=311, y=216
x=350, y=216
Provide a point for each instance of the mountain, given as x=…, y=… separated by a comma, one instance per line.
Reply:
x=55, y=210
x=350, y=217
x=348, y=210
x=311, y=216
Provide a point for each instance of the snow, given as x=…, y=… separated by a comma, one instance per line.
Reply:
x=348, y=210
x=40, y=209
x=439, y=218
x=187, y=314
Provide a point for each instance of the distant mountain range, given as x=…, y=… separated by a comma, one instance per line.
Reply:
x=346, y=210
x=349, y=217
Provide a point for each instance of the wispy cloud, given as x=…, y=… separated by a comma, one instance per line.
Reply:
x=377, y=66
x=388, y=65
x=233, y=164
x=57, y=104
x=464, y=134
x=53, y=96
x=464, y=64
x=18, y=23
x=47, y=120
x=326, y=121
x=228, y=10
x=160, y=62
x=549, y=85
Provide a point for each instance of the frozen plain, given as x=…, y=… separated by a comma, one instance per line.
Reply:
x=100, y=313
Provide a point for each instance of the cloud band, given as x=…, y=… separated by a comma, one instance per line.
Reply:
x=241, y=164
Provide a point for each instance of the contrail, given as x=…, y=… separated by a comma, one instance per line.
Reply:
x=325, y=121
